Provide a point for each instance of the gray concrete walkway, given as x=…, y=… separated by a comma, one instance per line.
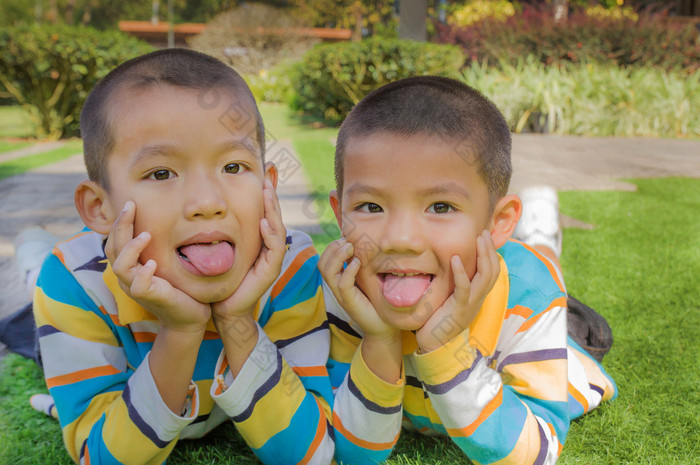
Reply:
x=44, y=197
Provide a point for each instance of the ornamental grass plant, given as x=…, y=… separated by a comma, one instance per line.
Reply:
x=591, y=99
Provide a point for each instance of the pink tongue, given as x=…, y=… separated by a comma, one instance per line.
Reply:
x=405, y=291
x=210, y=259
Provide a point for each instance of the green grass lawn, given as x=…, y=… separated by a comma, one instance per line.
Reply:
x=14, y=122
x=22, y=164
x=638, y=267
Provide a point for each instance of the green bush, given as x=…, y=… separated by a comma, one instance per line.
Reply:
x=591, y=99
x=331, y=78
x=49, y=70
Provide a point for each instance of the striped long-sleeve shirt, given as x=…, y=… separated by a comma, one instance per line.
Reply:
x=504, y=390
x=95, y=342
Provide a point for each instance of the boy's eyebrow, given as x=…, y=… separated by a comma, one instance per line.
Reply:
x=447, y=188
x=166, y=149
x=361, y=188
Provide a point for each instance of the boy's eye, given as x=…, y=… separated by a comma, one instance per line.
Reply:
x=232, y=168
x=160, y=175
x=440, y=207
x=369, y=207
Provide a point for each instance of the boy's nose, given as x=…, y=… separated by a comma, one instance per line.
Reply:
x=402, y=234
x=204, y=200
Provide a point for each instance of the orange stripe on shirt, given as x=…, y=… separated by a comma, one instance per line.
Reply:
x=518, y=310
x=310, y=371
x=338, y=425
x=297, y=263
x=558, y=302
x=485, y=413
x=57, y=252
x=560, y=446
x=81, y=375
x=318, y=437
x=579, y=397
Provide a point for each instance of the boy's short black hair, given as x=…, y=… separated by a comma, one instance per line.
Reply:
x=435, y=107
x=176, y=67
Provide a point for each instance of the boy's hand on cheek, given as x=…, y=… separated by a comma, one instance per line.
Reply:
x=460, y=309
x=173, y=308
x=266, y=268
x=349, y=296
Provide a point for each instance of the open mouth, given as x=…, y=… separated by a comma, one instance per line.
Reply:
x=405, y=289
x=208, y=258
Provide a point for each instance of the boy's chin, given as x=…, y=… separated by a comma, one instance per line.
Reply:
x=212, y=294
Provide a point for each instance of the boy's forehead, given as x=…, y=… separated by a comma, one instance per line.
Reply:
x=227, y=109
x=420, y=161
x=427, y=146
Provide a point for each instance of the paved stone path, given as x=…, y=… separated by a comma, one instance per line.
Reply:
x=44, y=197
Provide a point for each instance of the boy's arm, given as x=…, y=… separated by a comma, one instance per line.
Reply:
x=110, y=411
x=182, y=319
x=508, y=407
x=280, y=397
x=365, y=365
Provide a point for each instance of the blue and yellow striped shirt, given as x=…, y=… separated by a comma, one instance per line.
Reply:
x=504, y=390
x=95, y=340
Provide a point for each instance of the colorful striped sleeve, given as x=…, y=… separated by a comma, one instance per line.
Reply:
x=507, y=410
x=280, y=401
x=509, y=404
x=367, y=411
x=109, y=411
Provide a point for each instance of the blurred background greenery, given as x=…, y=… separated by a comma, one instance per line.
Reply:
x=584, y=67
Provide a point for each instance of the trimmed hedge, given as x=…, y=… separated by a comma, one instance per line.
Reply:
x=332, y=78
x=49, y=70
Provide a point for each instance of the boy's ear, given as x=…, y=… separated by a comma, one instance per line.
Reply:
x=335, y=205
x=271, y=173
x=506, y=214
x=94, y=207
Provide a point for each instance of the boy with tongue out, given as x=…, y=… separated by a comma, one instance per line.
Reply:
x=440, y=319
x=151, y=322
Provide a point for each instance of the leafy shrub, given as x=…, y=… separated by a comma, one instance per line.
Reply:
x=49, y=70
x=332, y=78
x=620, y=41
x=272, y=86
x=591, y=99
x=479, y=10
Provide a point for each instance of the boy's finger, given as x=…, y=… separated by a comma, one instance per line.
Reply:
x=346, y=283
x=462, y=284
x=273, y=211
x=126, y=263
x=122, y=230
x=337, y=256
x=143, y=279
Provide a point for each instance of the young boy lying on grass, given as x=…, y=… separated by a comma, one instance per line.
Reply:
x=151, y=322
x=442, y=319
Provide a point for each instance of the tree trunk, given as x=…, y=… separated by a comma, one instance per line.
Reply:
x=412, y=17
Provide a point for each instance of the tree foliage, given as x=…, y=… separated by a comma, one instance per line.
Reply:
x=49, y=70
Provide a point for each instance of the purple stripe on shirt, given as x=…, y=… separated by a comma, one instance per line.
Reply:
x=445, y=387
x=267, y=386
x=534, y=356
x=280, y=343
x=544, y=445
x=597, y=389
x=46, y=330
x=140, y=423
x=368, y=404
